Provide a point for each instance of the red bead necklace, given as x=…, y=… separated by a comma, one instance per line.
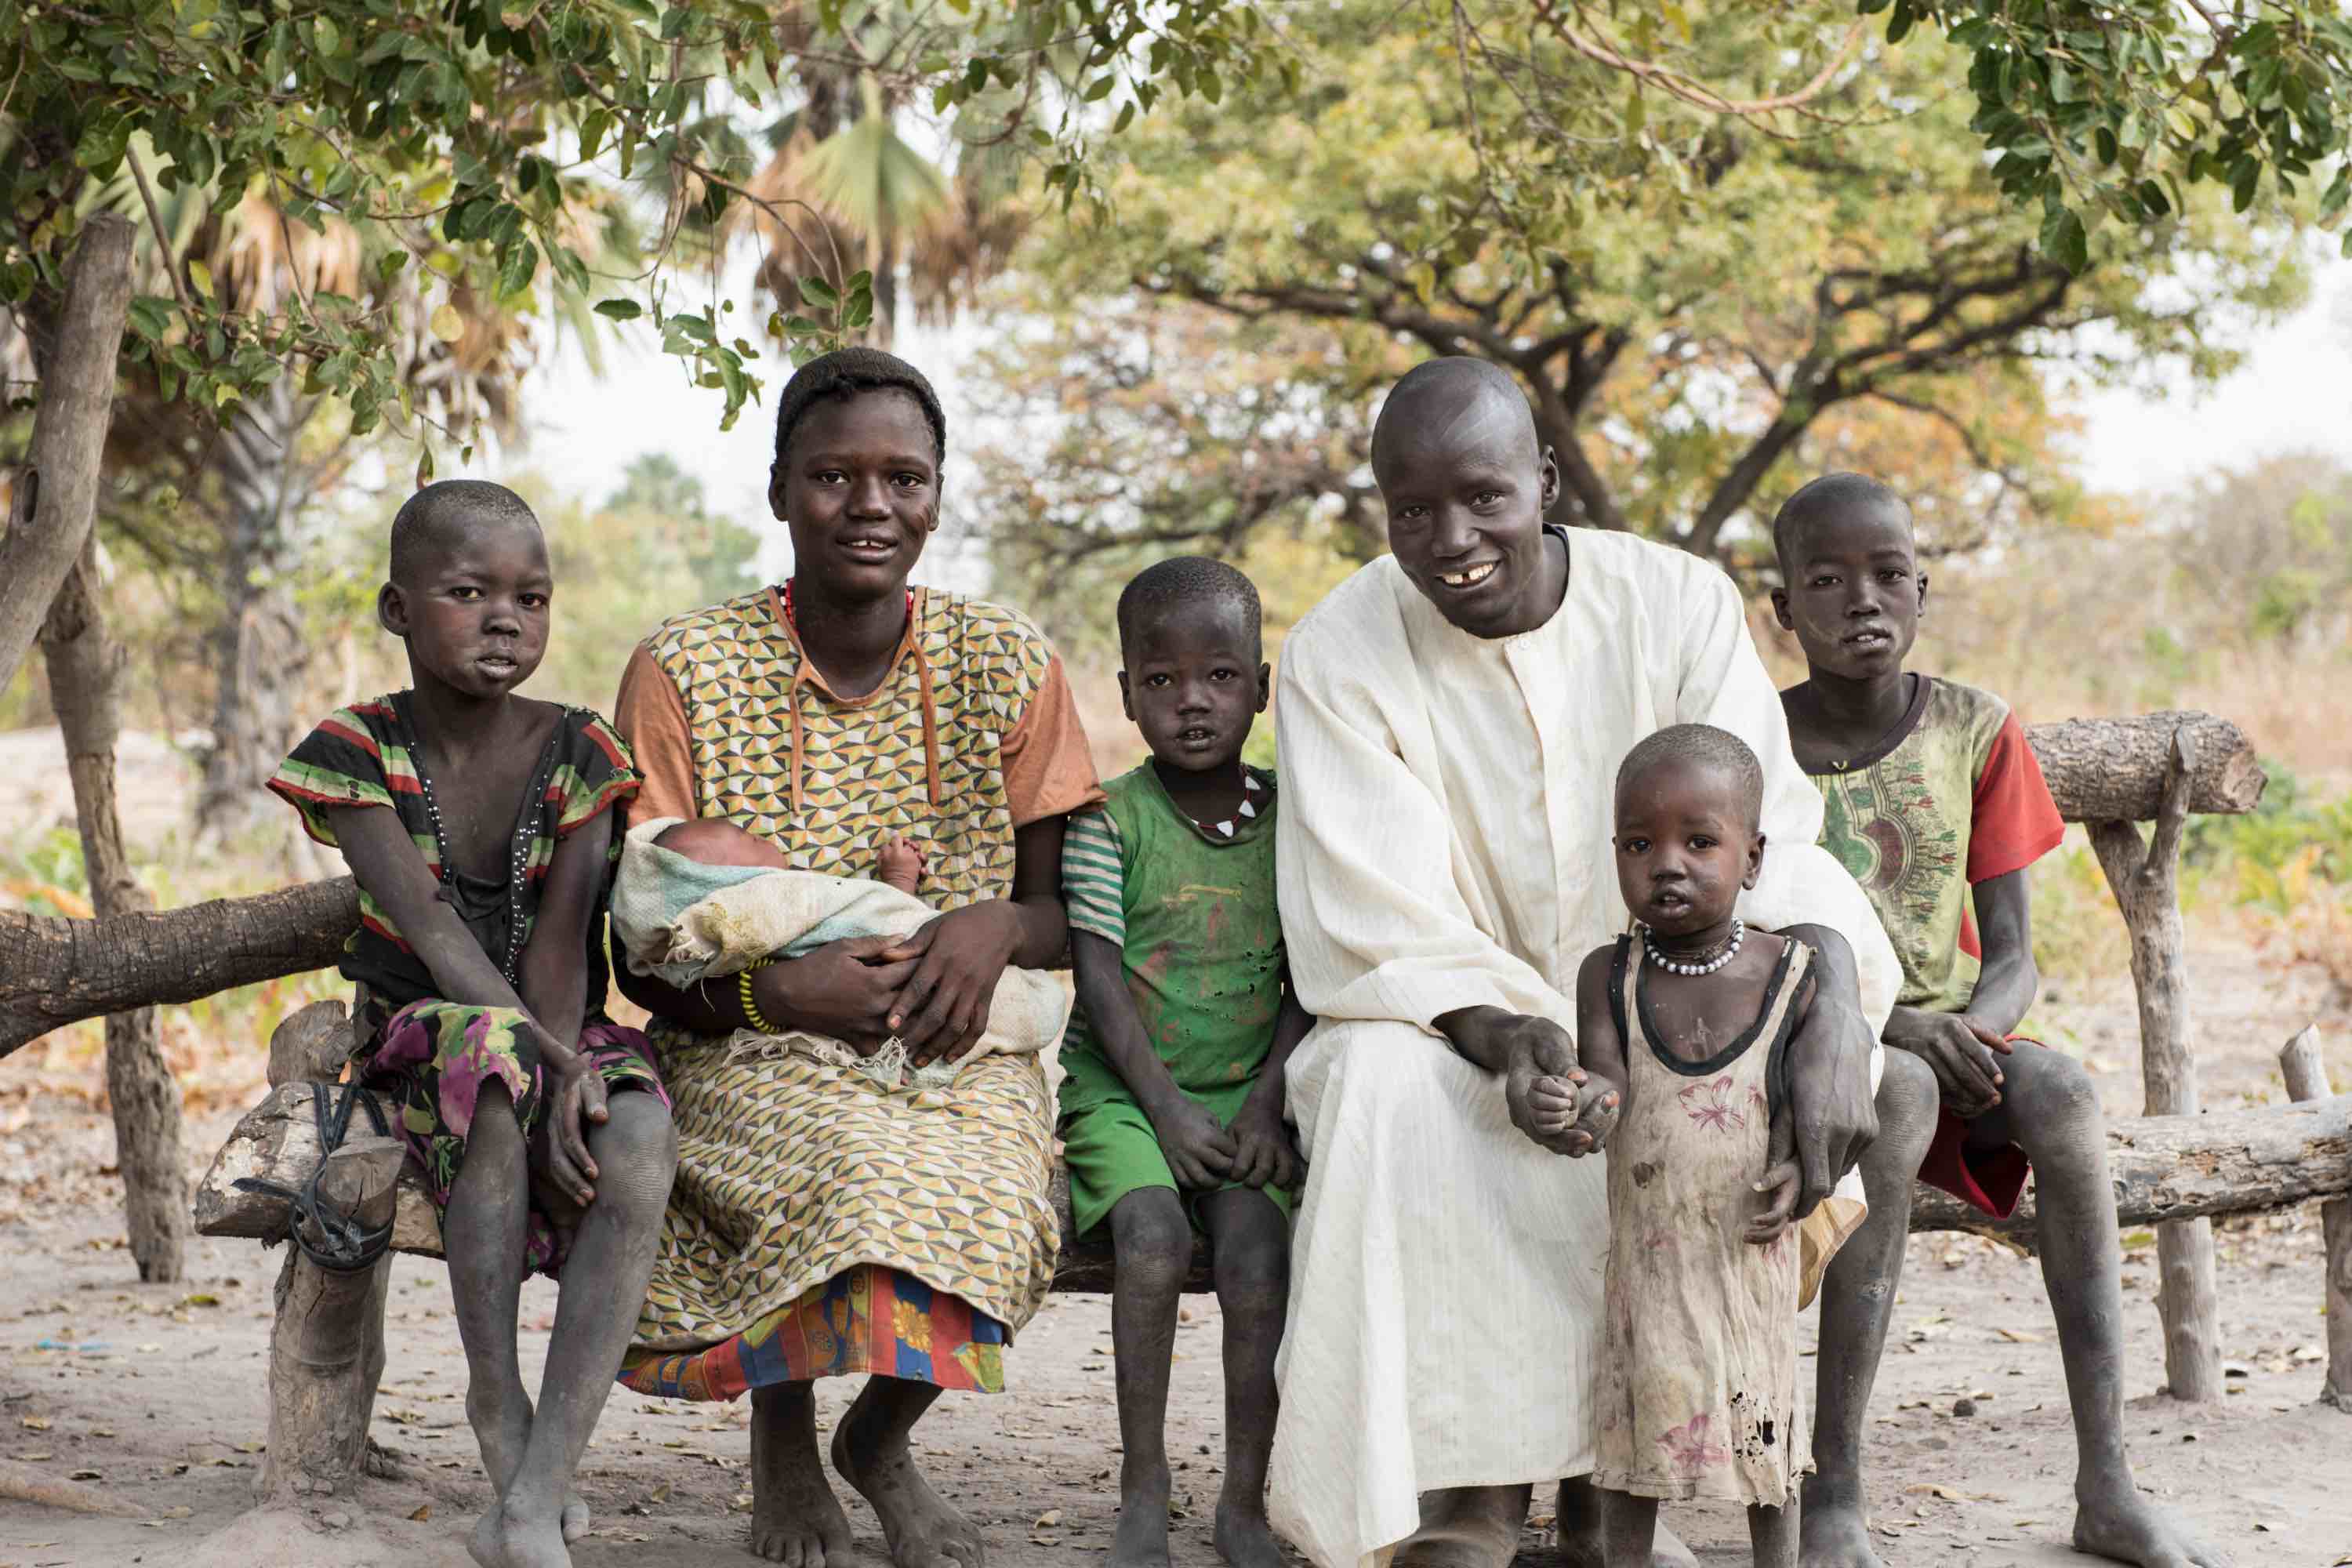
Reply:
x=794, y=620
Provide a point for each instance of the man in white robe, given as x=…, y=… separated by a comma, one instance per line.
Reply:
x=1451, y=720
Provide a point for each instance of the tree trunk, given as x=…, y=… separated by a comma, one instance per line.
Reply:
x=2146, y=882
x=257, y=649
x=278, y=1141
x=56, y=504
x=56, y=972
x=2170, y=1168
x=85, y=676
x=2306, y=1080
x=2112, y=769
x=326, y=1347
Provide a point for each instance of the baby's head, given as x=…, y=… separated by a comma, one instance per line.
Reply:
x=1851, y=588
x=1193, y=674
x=1689, y=799
x=470, y=587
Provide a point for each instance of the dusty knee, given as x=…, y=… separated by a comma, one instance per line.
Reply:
x=1251, y=1271
x=1152, y=1239
x=2052, y=1100
x=637, y=1155
x=715, y=841
x=1908, y=1101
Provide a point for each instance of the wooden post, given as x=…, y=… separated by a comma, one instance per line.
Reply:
x=2146, y=879
x=2307, y=1078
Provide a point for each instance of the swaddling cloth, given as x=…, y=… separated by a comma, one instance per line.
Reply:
x=685, y=922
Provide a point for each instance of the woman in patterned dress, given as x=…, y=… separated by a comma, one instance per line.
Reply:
x=820, y=1226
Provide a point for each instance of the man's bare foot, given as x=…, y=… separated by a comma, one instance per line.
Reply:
x=1244, y=1538
x=922, y=1530
x=1577, y=1532
x=795, y=1517
x=508, y=1538
x=1465, y=1527
x=2117, y=1521
x=1833, y=1535
x=1140, y=1540
x=502, y=1428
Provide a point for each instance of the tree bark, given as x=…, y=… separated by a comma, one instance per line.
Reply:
x=85, y=665
x=58, y=502
x=2146, y=879
x=326, y=1347
x=2112, y=769
x=2306, y=1080
x=2170, y=1168
x=278, y=1141
x=55, y=971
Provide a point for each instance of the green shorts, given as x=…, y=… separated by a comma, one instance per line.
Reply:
x=1111, y=1151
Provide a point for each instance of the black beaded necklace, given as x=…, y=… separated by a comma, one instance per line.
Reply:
x=519, y=853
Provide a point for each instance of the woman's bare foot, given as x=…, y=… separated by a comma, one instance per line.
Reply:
x=922, y=1530
x=507, y=1538
x=795, y=1517
x=1833, y=1535
x=502, y=1428
x=1140, y=1540
x=2117, y=1521
x=1244, y=1538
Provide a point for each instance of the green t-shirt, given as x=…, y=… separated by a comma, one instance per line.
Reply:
x=1191, y=908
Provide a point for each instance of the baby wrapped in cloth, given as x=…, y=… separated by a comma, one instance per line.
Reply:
x=688, y=922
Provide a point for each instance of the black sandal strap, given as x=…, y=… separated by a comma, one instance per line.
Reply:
x=343, y=1246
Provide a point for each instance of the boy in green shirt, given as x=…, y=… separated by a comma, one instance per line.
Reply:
x=1171, y=1112
x=1935, y=804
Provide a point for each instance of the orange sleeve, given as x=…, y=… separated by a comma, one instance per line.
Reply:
x=651, y=717
x=2012, y=820
x=1049, y=769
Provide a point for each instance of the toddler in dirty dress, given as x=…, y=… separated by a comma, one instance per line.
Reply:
x=1683, y=1026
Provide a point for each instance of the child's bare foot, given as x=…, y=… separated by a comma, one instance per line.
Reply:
x=1833, y=1535
x=922, y=1530
x=900, y=864
x=507, y=1538
x=2115, y=1522
x=502, y=1427
x=1244, y=1538
x=795, y=1517
x=1140, y=1540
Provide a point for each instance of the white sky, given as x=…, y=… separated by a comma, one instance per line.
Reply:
x=2293, y=392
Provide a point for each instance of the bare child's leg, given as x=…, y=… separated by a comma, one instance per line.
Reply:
x=2050, y=1109
x=900, y=864
x=1772, y=1532
x=1857, y=1302
x=1629, y=1527
x=1152, y=1244
x=610, y=1260
x=795, y=1517
x=483, y=1232
x=1252, y=1242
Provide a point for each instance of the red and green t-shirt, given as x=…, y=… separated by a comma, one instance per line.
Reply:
x=1951, y=798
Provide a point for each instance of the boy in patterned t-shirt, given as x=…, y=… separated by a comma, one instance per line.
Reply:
x=1937, y=806
x=1171, y=1114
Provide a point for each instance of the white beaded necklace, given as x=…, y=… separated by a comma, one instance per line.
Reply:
x=1681, y=966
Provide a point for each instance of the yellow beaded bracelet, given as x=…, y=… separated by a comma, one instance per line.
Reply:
x=751, y=1009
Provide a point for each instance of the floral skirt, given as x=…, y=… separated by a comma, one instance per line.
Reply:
x=432, y=1060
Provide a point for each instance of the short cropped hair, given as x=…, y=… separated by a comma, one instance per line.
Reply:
x=1186, y=580
x=1831, y=492
x=433, y=518
x=1704, y=746
x=845, y=372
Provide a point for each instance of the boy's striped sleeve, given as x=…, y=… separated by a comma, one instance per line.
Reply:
x=1094, y=877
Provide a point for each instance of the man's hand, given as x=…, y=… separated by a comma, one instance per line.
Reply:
x=1961, y=1051
x=1264, y=1151
x=1829, y=1063
x=1782, y=1178
x=1200, y=1153
x=1533, y=1051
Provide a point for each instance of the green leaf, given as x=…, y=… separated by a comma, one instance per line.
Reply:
x=1125, y=118
x=200, y=277
x=2245, y=179
x=816, y=292
x=619, y=310
x=151, y=314
x=2063, y=239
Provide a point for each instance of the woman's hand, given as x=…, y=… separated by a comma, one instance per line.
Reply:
x=575, y=1099
x=1263, y=1150
x=943, y=1009
x=1201, y=1154
x=845, y=990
